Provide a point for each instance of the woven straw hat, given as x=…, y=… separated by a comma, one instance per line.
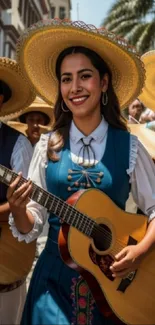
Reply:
x=22, y=94
x=38, y=105
x=148, y=93
x=145, y=136
x=40, y=45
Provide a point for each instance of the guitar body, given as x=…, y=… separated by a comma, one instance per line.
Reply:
x=136, y=305
x=16, y=257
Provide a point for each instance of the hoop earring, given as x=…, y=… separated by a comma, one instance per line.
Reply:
x=104, y=99
x=62, y=107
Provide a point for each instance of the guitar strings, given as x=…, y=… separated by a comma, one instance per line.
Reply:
x=70, y=209
x=88, y=221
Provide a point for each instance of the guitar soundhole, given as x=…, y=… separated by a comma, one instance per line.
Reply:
x=102, y=237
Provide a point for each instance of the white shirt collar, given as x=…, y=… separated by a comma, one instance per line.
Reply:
x=98, y=134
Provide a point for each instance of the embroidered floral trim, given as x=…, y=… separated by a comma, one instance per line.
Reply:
x=83, y=302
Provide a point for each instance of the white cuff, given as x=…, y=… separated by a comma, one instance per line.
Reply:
x=151, y=216
x=30, y=236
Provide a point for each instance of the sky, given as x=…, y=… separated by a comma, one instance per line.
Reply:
x=90, y=11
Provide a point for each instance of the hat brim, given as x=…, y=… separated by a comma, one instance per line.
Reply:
x=46, y=109
x=148, y=93
x=22, y=94
x=146, y=137
x=22, y=127
x=39, y=48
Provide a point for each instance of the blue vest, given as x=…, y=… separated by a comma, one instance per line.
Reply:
x=113, y=166
x=8, y=138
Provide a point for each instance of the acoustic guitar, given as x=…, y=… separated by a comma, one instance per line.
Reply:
x=16, y=257
x=93, y=230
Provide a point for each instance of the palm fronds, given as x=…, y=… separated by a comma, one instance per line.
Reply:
x=129, y=19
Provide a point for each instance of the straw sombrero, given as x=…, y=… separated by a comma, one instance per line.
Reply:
x=148, y=93
x=37, y=106
x=22, y=94
x=40, y=45
x=146, y=137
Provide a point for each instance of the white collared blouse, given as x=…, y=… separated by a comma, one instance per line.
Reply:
x=141, y=172
x=21, y=155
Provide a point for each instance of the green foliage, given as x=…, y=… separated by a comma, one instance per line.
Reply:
x=135, y=21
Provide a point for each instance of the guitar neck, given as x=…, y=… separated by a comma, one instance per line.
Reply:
x=52, y=203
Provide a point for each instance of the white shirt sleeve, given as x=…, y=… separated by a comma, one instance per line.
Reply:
x=21, y=155
x=37, y=175
x=142, y=178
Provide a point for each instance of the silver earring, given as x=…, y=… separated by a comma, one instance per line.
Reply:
x=63, y=109
x=104, y=99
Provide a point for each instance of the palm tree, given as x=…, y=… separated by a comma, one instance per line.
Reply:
x=134, y=20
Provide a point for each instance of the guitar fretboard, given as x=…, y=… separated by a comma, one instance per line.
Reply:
x=52, y=203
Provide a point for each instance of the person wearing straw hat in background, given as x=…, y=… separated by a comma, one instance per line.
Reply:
x=148, y=94
x=15, y=153
x=90, y=75
x=134, y=111
x=146, y=124
x=34, y=120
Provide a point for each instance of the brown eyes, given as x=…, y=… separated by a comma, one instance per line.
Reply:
x=65, y=80
x=86, y=76
x=68, y=79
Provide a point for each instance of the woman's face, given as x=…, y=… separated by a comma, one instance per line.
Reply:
x=81, y=86
x=135, y=109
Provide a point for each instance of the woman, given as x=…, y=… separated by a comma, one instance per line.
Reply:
x=135, y=109
x=89, y=147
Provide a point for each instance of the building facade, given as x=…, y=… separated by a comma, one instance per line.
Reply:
x=16, y=15
x=60, y=8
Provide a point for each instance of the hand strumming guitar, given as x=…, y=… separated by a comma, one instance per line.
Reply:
x=130, y=257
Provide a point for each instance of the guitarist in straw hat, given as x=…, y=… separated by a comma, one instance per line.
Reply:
x=94, y=75
x=15, y=153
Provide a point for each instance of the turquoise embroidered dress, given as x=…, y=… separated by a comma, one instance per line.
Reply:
x=58, y=295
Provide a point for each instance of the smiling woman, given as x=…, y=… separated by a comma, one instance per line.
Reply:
x=86, y=91
x=89, y=75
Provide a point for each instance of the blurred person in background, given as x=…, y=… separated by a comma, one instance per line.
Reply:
x=15, y=153
x=148, y=93
x=134, y=111
x=34, y=120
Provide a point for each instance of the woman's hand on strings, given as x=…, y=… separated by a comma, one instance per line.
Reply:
x=126, y=261
x=18, y=197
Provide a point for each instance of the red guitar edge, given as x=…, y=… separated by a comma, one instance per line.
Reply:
x=90, y=279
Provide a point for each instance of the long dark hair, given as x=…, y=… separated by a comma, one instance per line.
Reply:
x=111, y=111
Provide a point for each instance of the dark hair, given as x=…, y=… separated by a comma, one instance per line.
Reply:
x=5, y=91
x=23, y=117
x=111, y=111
